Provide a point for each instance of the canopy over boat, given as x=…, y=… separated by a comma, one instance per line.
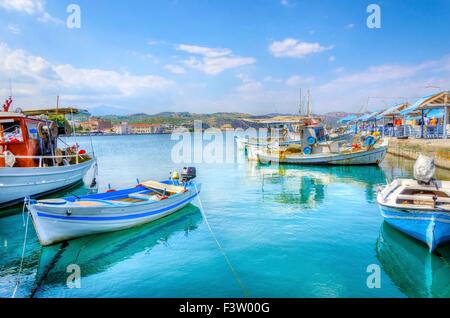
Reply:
x=56, y=111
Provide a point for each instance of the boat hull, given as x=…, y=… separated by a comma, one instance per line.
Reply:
x=61, y=223
x=429, y=227
x=370, y=157
x=18, y=183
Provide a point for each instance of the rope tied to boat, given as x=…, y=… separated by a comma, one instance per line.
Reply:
x=25, y=205
x=227, y=260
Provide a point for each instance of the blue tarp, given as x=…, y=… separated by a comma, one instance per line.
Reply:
x=347, y=119
x=416, y=105
x=389, y=111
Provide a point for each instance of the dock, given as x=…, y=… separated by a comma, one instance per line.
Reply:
x=412, y=147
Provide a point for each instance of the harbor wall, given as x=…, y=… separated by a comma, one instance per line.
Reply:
x=411, y=148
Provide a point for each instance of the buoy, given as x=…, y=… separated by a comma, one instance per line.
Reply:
x=311, y=140
x=307, y=150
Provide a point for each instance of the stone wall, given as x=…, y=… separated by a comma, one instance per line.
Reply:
x=411, y=148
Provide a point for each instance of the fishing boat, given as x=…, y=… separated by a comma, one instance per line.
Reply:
x=315, y=149
x=57, y=220
x=31, y=162
x=419, y=207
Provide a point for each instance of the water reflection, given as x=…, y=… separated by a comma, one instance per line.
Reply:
x=306, y=185
x=411, y=267
x=97, y=253
x=398, y=167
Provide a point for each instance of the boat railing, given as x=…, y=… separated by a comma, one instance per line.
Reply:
x=41, y=158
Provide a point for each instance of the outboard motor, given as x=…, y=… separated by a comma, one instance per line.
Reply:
x=424, y=169
x=188, y=174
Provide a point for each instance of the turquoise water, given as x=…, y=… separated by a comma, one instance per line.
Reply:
x=287, y=232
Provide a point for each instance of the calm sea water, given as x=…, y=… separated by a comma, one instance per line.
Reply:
x=287, y=231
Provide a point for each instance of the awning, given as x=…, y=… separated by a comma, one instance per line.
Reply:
x=429, y=101
x=394, y=110
x=54, y=111
x=347, y=119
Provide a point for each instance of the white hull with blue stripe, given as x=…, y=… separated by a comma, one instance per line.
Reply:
x=361, y=157
x=421, y=211
x=69, y=218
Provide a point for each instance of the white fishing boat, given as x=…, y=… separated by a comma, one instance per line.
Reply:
x=315, y=149
x=31, y=163
x=418, y=207
x=57, y=220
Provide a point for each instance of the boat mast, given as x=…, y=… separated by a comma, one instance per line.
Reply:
x=309, y=103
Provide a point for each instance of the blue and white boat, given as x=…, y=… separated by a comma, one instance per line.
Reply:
x=418, y=209
x=57, y=220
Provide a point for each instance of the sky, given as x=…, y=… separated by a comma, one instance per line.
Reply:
x=207, y=56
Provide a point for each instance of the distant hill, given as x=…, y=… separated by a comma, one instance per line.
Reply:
x=233, y=119
x=103, y=110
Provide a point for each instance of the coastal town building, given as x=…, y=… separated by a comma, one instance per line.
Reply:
x=97, y=125
x=145, y=128
x=122, y=129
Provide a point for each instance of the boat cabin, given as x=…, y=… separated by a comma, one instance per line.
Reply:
x=28, y=139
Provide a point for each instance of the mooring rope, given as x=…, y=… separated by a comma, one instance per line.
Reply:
x=233, y=271
x=23, y=256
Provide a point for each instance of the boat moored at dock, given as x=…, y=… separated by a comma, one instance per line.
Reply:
x=418, y=208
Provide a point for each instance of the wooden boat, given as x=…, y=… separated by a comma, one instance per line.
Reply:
x=326, y=153
x=57, y=220
x=419, y=210
x=31, y=163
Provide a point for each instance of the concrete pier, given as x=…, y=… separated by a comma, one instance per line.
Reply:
x=411, y=148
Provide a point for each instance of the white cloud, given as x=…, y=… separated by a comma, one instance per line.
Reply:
x=175, y=69
x=332, y=58
x=143, y=56
x=287, y=3
x=26, y=6
x=351, y=90
x=14, y=29
x=212, y=61
x=204, y=51
x=294, y=48
x=296, y=80
x=30, y=7
x=248, y=85
x=33, y=76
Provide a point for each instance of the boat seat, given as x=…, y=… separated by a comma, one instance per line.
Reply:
x=421, y=197
x=169, y=188
x=142, y=196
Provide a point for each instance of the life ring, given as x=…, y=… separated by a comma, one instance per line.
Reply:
x=307, y=150
x=10, y=159
x=311, y=140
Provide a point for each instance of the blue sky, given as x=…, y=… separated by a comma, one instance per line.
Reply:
x=223, y=55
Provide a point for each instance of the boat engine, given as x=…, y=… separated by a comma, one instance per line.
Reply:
x=188, y=174
x=424, y=169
